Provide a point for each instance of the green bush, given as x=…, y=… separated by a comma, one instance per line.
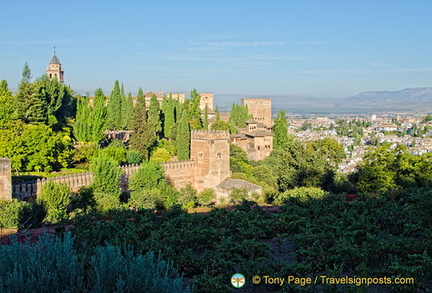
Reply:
x=302, y=193
x=50, y=265
x=206, y=196
x=134, y=157
x=55, y=197
x=114, y=271
x=21, y=214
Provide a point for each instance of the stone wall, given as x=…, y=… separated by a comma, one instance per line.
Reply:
x=180, y=173
x=31, y=189
x=5, y=179
x=261, y=110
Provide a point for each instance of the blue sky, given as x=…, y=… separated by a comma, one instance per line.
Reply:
x=307, y=48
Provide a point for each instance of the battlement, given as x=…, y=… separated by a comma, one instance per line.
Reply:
x=179, y=165
x=246, y=101
x=210, y=134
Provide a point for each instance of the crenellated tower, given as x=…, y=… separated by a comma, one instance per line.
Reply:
x=210, y=152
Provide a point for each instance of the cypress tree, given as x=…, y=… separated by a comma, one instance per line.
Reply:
x=280, y=131
x=82, y=128
x=142, y=139
x=183, y=138
x=98, y=116
x=127, y=112
x=206, y=123
x=114, y=113
x=168, y=111
x=153, y=118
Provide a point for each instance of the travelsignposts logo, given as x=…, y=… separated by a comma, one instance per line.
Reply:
x=238, y=280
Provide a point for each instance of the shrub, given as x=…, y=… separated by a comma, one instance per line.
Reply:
x=55, y=197
x=50, y=265
x=238, y=194
x=21, y=214
x=187, y=196
x=206, y=196
x=134, y=157
x=302, y=193
x=114, y=271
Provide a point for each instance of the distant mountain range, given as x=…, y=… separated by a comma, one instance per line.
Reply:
x=417, y=100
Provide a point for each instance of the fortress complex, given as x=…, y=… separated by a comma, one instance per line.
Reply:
x=256, y=139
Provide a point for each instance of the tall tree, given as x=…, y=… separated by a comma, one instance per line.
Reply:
x=153, y=117
x=98, y=115
x=28, y=105
x=142, y=139
x=238, y=117
x=114, y=113
x=127, y=112
x=7, y=109
x=168, y=110
x=280, y=131
x=183, y=138
x=194, y=112
x=82, y=127
x=205, y=122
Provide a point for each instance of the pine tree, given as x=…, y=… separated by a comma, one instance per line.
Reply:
x=28, y=105
x=114, y=115
x=280, y=131
x=183, y=138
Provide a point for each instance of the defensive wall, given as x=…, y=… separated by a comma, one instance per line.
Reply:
x=209, y=165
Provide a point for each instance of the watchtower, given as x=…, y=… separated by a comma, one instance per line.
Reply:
x=5, y=179
x=261, y=110
x=210, y=152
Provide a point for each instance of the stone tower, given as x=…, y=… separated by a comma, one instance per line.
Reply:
x=54, y=69
x=210, y=152
x=206, y=101
x=261, y=110
x=5, y=179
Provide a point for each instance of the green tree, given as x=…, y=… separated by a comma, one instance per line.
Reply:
x=114, y=110
x=193, y=110
x=7, y=109
x=143, y=138
x=183, y=138
x=280, y=130
x=329, y=149
x=154, y=117
x=55, y=198
x=127, y=112
x=82, y=127
x=238, y=117
x=29, y=107
x=205, y=122
x=106, y=182
x=220, y=125
x=98, y=116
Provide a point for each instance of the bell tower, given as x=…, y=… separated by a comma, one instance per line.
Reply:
x=54, y=69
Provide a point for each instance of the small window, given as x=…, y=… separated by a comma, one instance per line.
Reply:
x=200, y=156
x=219, y=155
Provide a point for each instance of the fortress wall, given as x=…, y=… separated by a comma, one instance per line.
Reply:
x=180, y=173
